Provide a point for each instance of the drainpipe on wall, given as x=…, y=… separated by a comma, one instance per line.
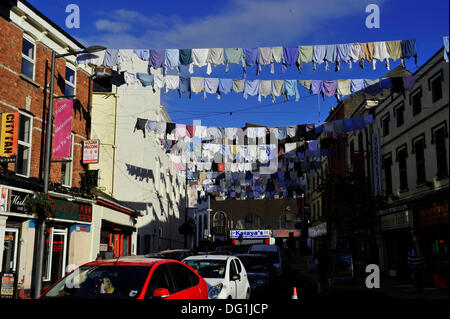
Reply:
x=114, y=144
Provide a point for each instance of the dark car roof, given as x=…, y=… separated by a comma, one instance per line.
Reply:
x=175, y=251
x=251, y=255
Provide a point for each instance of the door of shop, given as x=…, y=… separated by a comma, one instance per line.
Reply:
x=55, y=254
x=10, y=250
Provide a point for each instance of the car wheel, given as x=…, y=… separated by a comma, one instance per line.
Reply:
x=229, y=297
x=247, y=296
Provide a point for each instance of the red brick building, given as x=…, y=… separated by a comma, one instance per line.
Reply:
x=27, y=39
x=24, y=87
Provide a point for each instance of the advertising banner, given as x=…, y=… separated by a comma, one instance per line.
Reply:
x=91, y=151
x=192, y=196
x=7, y=286
x=8, y=137
x=62, y=139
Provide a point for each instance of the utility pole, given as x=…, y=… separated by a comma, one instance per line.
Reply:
x=187, y=206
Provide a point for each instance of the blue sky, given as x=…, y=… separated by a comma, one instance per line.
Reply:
x=254, y=23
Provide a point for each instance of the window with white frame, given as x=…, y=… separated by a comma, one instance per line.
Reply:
x=24, y=143
x=70, y=81
x=28, y=56
x=66, y=168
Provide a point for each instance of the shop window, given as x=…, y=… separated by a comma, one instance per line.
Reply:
x=402, y=155
x=66, y=168
x=439, y=247
x=28, y=57
x=70, y=82
x=24, y=143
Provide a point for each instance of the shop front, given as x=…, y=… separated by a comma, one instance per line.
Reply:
x=67, y=238
x=114, y=233
x=115, y=240
x=13, y=233
x=395, y=229
x=431, y=225
x=67, y=235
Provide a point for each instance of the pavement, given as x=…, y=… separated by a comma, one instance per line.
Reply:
x=306, y=282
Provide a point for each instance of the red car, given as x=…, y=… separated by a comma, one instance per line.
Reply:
x=132, y=278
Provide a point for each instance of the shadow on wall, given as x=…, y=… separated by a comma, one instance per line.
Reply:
x=161, y=230
x=140, y=173
x=160, y=221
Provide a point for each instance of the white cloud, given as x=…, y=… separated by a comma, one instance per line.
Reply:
x=241, y=23
x=111, y=26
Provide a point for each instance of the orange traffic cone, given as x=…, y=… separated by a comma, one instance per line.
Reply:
x=294, y=295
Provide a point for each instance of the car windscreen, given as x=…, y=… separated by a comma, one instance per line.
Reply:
x=255, y=263
x=101, y=282
x=208, y=268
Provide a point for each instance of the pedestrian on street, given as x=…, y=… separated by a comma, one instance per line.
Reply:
x=416, y=265
x=323, y=261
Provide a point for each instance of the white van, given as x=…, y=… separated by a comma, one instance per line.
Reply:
x=273, y=252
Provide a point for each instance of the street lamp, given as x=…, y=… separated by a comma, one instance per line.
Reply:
x=48, y=143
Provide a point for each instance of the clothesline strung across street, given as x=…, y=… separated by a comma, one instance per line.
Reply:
x=446, y=48
x=146, y=60
x=274, y=88
x=202, y=148
x=239, y=177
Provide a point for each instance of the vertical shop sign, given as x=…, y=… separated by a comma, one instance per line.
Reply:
x=8, y=137
x=63, y=129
